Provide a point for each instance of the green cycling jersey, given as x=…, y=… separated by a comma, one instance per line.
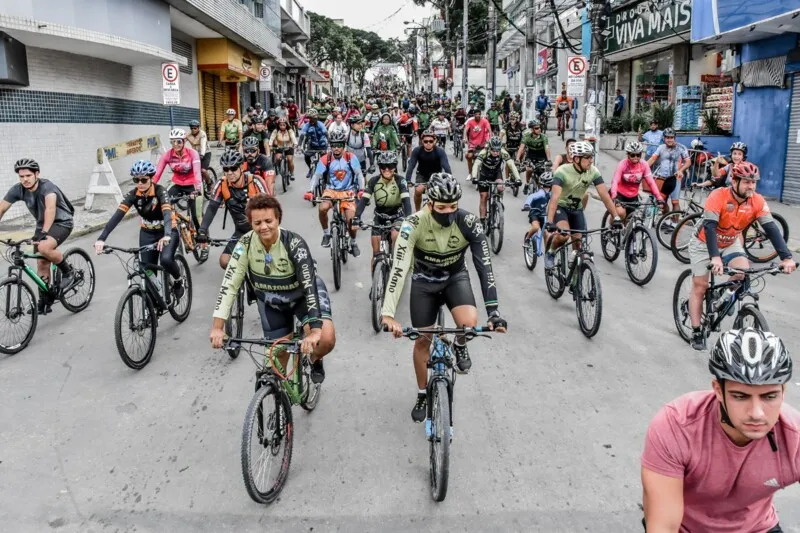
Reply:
x=574, y=184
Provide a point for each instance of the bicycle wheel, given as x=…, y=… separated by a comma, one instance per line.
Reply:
x=336, y=257
x=77, y=298
x=530, y=253
x=135, y=311
x=680, y=305
x=589, y=300
x=404, y=158
x=439, y=439
x=310, y=391
x=496, y=234
x=666, y=226
x=179, y=309
x=19, y=317
x=750, y=317
x=267, y=430
x=460, y=151
x=641, y=255
x=681, y=236
x=609, y=240
x=284, y=174
x=555, y=278
x=376, y=296
x=344, y=246
x=187, y=235
x=756, y=244
x=234, y=326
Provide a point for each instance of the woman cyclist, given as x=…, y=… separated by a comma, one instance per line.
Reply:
x=282, y=144
x=184, y=162
x=628, y=178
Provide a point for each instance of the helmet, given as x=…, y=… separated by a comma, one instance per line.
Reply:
x=634, y=147
x=230, y=111
x=258, y=105
x=531, y=123
x=337, y=135
x=177, y=133
x=513, y=116
x=697, y=144
x=194, y=123
x=143, y=167
x=546, y=179
x=750, y=356
x=291, y=100
x=739, y=146
x=311, y=113
x=272, y=113
x=354, y=119
x=249, y=142
x=669, y=132
x=412, y=110
x=495, y=144
x=386, y=158
x=26, y=163
x=745, y=170
x=534, y=123
x=374, y=107
x=231, y=159
x=581, y=149
x=428, y=133
x=443, y=187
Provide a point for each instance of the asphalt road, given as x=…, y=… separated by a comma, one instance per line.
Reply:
x=548, y=426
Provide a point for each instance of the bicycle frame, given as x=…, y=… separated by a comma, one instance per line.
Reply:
x=585, y=252
x=18, y=264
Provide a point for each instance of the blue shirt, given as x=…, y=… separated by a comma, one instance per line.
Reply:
x=317, y=135
x=619, y=103
x=654, y=139
x=537, y=202
x=542, y=102
x=342, y=176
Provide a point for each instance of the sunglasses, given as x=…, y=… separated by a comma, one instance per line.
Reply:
x=337, y=145
x=251, y=150
x=143, y=179
x=176, y=141
x=635, y=155
x=428, y=141
x=387, y=167
x=229, y=169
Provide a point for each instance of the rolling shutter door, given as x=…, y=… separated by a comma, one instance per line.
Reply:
x=216, y=98
x=791, y=175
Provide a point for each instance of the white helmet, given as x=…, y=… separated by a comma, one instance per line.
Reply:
x=581, y=149
x=230, y=111
x=634, y=147
x=177, y=133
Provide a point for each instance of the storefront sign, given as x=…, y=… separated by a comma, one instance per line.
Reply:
x=325, y=74
x=541, y=61
x=642, y=23
x=715, y=79
x=170, y=83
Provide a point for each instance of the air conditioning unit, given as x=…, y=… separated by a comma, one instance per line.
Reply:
x=13, y=61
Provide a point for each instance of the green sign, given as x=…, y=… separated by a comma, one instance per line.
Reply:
x=647, y=21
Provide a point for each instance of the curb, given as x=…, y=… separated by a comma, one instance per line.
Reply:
x=76, y=234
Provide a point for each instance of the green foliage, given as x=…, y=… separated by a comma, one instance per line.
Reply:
x=478, y=24
x=614, y=125
x=639, y=121
x=710, y=122
x=663, y=114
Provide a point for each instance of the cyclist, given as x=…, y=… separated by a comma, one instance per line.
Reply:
x=565, y=210
x=234, y=189
x=292, y=113
x=489, y=165
x=628, y=177
x=151, y=201
x=563, y=107
x=511, y=135
x=535, y=147
x=231, y=130
x=423, y=120
x=358, y=142
x=433, y=242
x=54, y=222
x=260, y=133
x=564, y=158
x=392, y=201
x=272, y=121
x=338, y=124
x=284, y=139
x=441, y=128
x=407, y=126
x=185, y=165
x=431, y=159
x=721, y=176
x=477, y=131
x=674, y=160
x=542, y=106
x=278, y=263
x=384, y=136
x=344, y=179
x=493, y=115
x=281, y=110
x=198, y=140
x=317, y=136
x=536, y=205
x=712, y=460
x=727, y=212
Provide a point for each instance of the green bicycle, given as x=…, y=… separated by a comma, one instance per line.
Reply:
x=19, y=309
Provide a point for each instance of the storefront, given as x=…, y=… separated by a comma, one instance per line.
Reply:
x=223, y=67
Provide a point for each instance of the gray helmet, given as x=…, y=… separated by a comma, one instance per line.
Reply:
x=26, y=163
x=231, y=159
x=338, y=135
x=194, y=123
x=634, y=147
x=443, y=187
x=250, y=142
x=546, y=179
x=386, y=158
x=752, y=357
x=495, y=144
x=739, y=146
x=311, y=113
x=669, y=132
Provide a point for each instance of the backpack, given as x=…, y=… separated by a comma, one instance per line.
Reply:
x=252, y=188
x=326, y=160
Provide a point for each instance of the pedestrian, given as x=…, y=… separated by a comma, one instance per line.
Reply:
x=619, y=103
x=506, y=107
x=654, y=138
x=517, y=105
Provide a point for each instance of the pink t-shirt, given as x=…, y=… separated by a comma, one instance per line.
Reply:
x=629, y=176
x=185, y=168
x=726, y=488
x=477, y=132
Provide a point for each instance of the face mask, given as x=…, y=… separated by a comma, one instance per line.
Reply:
x=444, y=219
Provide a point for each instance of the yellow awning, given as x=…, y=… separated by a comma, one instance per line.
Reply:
x=226, y=59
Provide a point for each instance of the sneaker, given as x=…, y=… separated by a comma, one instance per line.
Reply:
x=67, y=280
x=526, y=189
x=291, y=177
x=420, y=410
x=698, y=340
x=43, y=306
x=317, y=372
x=178, y=289
x=463, y=361
x=354, y=249
x=203, y=254
x=469, y=178
x=326, y=240
x=633, y=259
x=549, y=260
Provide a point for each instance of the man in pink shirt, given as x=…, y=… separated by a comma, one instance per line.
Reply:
x=477, y=131
x=713, y=459
x=628, y=178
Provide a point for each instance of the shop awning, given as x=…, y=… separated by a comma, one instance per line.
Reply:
x=226, y=59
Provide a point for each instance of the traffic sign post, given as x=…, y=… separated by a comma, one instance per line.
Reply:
x=265, y=77
x=576, y=76
x=171, y=84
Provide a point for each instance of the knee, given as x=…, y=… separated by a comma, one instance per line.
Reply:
x=327, y=342
x=223, y=261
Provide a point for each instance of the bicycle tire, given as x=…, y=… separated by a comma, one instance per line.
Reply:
x=587, y=328
x=609, y=240
x=285, y=434
x=680, y=250
x=344, y=247
x=208, y=186
x=555, y=278
x=680, y=309
x=81, y=274
x=186, y=276
x=439, y=439
x=149, y=321
x=664, y=231
x=496, y=234
x=754, y=236
x=336, y=257
x=234, y=326
x=310, y=391
x=647, y=242
x=750, y=310
x=530, y=253
x=188, y=235
x=284, y=174
x=376, y=296
x=19, y=311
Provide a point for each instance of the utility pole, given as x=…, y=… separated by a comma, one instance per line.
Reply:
x=464, y=59
x=530, y=58
x=490, y=64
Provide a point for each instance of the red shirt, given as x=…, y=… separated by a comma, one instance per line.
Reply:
x=292, y=110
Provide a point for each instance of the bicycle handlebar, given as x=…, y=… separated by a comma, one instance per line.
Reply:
x=107, y=249
x=232, y=342
x=329, y=199
x=772, y=269
x=13, y=243
x=581, y=231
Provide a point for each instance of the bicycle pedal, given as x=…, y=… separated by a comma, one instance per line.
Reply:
x=461, y=372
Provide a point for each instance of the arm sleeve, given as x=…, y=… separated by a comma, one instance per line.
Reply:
x=476, y=166
x=358, y=177
x=443, y=161
x=204, y=143
x=213, y=206
x=482, y=259
x=166, y=210
x=233, y=278
x=710, y=229
x=162, y=163
x=513, y=168
x=405, y=197
x=412, y=163
x=403, y=257
x=775, y=237
x=364, y=201
x=304, y=266
x=116, y=218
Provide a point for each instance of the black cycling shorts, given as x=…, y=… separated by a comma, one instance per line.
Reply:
x=538, y=215
x=56, y=231
x=277, y=319
x=427, y=297
x=630, y=204
x=383, y=219
x=286, y=151
x=205, y=162
x=668, y=186
x=574, y=217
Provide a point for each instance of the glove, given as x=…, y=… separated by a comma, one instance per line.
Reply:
x=202, y=237
x=308, y=196
x=355, y=222
x=617, y=223
x=360, y=193
x=497, y=321
x=551, y=227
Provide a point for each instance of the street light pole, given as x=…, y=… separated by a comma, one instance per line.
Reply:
x=464, y=61
x=492, y=71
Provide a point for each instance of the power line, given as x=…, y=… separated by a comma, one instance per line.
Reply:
x=546, y=45
x=389, y=17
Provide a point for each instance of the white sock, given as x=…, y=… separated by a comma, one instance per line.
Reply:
x=422, y=392
x=326, y=231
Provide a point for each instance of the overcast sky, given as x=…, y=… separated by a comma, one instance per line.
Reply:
x=370, y=15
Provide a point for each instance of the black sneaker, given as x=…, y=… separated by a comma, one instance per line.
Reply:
x=178, y=289
x=317, y=372
x=698, y=340
x=463, y=361
x=67, y=280
x=420, y=410
x=354, y=250
x=44, y=306
x=326, y=240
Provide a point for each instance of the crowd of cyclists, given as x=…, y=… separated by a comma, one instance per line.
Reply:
x=695, y=477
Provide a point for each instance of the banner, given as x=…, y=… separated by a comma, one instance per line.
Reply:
x=640, y=23
x=541, y=61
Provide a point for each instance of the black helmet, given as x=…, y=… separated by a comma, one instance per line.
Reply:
x=249, y=142
x=194, y=123
x=495, y=144
x=26, y=163
x=354, y=119
x=386, y=158
x=443, y=187
x=272, y=113
x=231, y=159
x=750, y=356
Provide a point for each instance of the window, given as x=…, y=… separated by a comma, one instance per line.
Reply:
x=183, y=49
x=258, y=9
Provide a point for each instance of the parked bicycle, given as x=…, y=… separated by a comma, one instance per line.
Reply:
x=148, y=297
x=636, y=238
x=20, y=311
x=340, y=237
x=380, y=273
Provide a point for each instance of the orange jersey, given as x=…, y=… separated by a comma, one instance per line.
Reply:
x=733, y=217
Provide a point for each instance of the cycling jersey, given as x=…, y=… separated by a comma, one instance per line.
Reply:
x=424, y=120
x=317, y=135
x=536, y=203
x=478, y=132
x=513, y=136
x=384, y=137
x=437, y=252
x=261, y=167
x=390, y=196
x=292, y=111
x=407, y=124
x=440, y=127
x=357, y=144
x=283, y=277
x=343, y=175
x=726, y=488
x=563, y=105
x=669, y=159
x=34, y=201
x=628, y=177
x=155, y=211
x=235, y=199
x=574, y=184
x=542, y=102
x=732, y=216
x=231, y=129
x=429, y=162
x=493, y=115
x=283, y=139
x=489, y=167
x=535, y=145
x=654, y=139
x=185, y=167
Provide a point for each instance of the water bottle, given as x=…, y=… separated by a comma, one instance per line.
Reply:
x=573, y=258
x=723, y=300
x=155, y=279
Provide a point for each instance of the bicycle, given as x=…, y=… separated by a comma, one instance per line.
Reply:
x=533, y=247
x=20, y=308
x=495, y=220
x=542, y=118
x=315, y=156
x=563, y=123
x=282, y=167
x=582, y=278
x=441, y=383
x=182, y=206
x=340, y=237
x=693, y=200
x=537, y=168
x=720, y=301
x=405, y=142
x=380, y=272
x=145, y=301
x=234, y=326
x=458, y=145
x=268, y=422
x=637, y=240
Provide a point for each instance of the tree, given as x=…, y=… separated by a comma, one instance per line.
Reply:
x=478, y=25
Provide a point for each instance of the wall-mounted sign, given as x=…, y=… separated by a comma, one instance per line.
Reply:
x=541, y=61
x=642, y=22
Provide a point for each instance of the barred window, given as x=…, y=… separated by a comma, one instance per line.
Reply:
x=258, y=9
x=183, y=49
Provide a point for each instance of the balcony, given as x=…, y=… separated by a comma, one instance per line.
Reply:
x=295, y=22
